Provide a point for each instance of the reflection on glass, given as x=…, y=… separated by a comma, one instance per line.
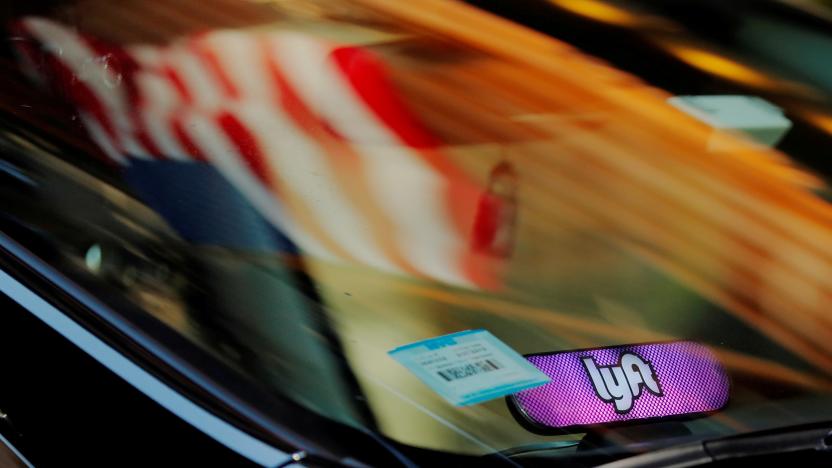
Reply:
x=321, y=182
x=309, y=131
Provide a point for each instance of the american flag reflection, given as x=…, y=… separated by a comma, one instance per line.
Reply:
x=311, y=132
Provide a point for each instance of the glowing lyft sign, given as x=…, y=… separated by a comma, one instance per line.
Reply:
x=622, y=383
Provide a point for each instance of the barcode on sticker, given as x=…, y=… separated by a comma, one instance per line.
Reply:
x=455, y=373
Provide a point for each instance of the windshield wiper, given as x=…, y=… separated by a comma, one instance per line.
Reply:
x=782, y=440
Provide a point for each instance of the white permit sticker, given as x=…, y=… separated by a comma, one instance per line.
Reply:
x=469, y=367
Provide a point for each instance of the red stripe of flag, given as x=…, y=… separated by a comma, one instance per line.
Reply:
x=246, y=145
x=209, y=58
x=181, y=134
x=178, y=84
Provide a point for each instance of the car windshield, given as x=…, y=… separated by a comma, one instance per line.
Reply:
x=299, y=187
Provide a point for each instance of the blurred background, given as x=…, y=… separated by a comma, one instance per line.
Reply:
x=299, y=186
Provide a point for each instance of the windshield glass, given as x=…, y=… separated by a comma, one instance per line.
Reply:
x=301, y=186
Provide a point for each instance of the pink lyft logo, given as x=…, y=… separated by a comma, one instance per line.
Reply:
x=622, y=384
